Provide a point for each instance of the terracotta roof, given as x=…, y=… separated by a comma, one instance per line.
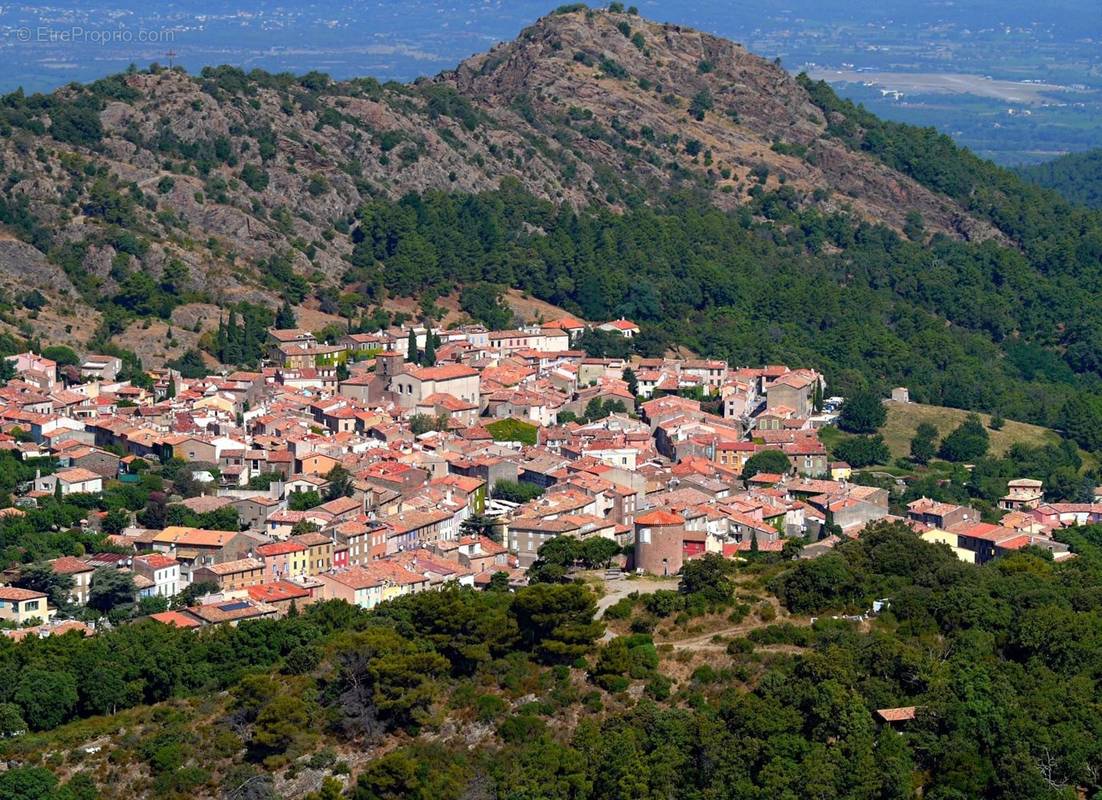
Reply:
x=311, y=539
x=622, y=325
x=230, y=610
x=156, y=560
x=446, y=372
x=77, y=475
x=276, y=592
x=15, y=593
x=901, y=714
x=660, y=517
x=193, y=537
x=67, y=565
x=341, y=505
x=50, y=629
x=280, y=548
x=289, y=334
x=355, y=578
x=566, y=323
x=205, y=503
x=230, y=567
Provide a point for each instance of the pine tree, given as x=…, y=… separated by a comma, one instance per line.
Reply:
x=817, y=397
x=480, y=525
x=411, y=346
x=924, y=443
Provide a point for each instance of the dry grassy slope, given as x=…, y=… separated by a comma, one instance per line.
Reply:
x=561, y=127
x=904, y=419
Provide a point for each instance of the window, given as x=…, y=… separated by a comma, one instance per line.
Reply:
x=31, y=605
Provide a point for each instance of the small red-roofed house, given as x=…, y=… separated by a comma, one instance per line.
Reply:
x=281, y=595
x=175, y=618
x=81, y=574
x=623, y=327
x=765, y=479
x=162, y=570
x=75, y=480
x=287, y=559
x=20, y=606
x=897, y=716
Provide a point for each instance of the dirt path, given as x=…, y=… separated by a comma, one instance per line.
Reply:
x=704, y=640
x=618, y=589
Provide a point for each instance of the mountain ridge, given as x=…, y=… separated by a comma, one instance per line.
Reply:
x=212, y=163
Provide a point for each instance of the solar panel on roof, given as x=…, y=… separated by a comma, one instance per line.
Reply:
x=233, y=606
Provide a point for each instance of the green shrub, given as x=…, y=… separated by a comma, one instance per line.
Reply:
x=522, y=728
x=658, y=687
x=705, y=674
x=489, y=707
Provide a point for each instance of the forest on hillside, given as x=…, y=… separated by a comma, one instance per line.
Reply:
x=1077, y=177
x=511, y=695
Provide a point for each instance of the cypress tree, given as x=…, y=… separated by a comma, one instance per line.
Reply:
x=220, y=339
x=285, y=318
x=231, y=352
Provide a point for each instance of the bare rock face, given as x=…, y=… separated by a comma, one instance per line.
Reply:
x=222, y=171
x=24, y=267
x=649, y=85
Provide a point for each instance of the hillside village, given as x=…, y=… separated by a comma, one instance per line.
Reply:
x=412, y=458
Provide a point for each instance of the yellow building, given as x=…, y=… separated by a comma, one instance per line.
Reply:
x=319, y=551
x=938, y=536
x=23, y=605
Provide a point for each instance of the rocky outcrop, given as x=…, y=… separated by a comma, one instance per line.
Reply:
x=221, y=171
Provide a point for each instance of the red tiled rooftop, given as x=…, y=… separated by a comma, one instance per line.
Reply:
x=175, y=618
x=68, y=565
x=279, y=548
x=446, y=372
x=15, y=593
x=660, y=517
x=276, y=592
x=901, y=714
